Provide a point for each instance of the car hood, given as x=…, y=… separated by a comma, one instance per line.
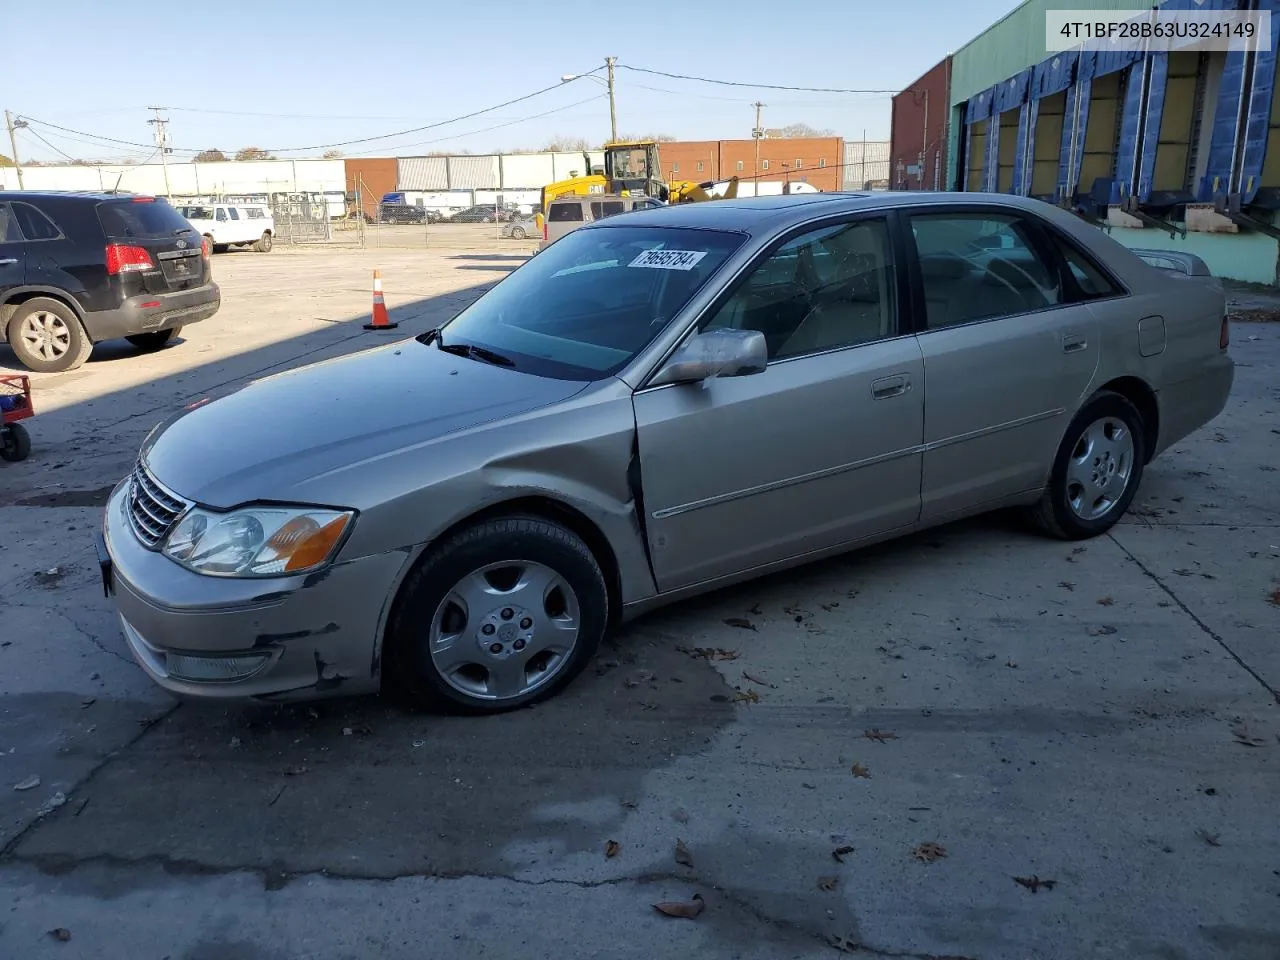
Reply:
x=271, y=438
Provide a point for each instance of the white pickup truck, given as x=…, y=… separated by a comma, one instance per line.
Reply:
x=232, y=224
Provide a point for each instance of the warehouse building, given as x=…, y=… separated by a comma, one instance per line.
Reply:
x=1169, y=150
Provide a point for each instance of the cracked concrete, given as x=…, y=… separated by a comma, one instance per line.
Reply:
x=1101, y=715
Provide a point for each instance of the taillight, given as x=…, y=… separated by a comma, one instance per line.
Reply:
x=206, y=248
x=122, y=258
x=1224, y=337
x=544, y=231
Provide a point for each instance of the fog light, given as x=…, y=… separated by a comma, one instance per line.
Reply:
x=213, y=669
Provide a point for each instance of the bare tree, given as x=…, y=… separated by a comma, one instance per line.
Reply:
x=5, y=161
x=210, y=156
x=253, y=153
x=332, y=155
x=798, y=131
x=562, y=143
x=656, y=137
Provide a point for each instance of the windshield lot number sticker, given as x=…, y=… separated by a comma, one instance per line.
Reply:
x=669, y=259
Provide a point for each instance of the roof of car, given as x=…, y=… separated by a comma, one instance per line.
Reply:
x=763, y=214
x=61, y=194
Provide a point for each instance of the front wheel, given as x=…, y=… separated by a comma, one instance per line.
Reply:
x=48, y=337
x=502, y=615
x=517, y=233
x=1096, y=472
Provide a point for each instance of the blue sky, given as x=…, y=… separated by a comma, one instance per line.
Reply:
x=284, y=74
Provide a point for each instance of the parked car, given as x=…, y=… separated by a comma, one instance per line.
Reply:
x=659, y=404
x=80, y=268
x=520, y=228
x=402, y=213
x=480, y=214
x=233, y=224
x=566, y=214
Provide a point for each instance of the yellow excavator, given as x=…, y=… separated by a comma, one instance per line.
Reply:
x=632, y=168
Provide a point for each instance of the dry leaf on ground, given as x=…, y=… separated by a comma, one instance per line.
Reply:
x=639, y=678
x=747, y=696
x=839, y=853
x=740, y=623
x=61, y=934
x=1246, y=737
x=683, y=856
x=880, y=736
x=685, y=909
x=858, y=770
x=1103, y=631
x=1274, y=596
x=828, y=883
x=1105, y=601
x=295, y=771
x=611, y=848
x=1067, y=585
x=762, y=682
x=1210, y=838
x=929, y=851
x=709, y=653
x=1034, y=883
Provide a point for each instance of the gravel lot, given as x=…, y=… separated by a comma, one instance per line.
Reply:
x=954, y=711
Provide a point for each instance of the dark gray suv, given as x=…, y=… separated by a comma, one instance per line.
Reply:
x=80, y=268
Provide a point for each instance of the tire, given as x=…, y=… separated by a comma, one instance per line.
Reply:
x=517, y=233
x=1090, y=489
x=48, y=337
x=263, y=245
x=147, y=342
x=15, y=443
x=481, y=560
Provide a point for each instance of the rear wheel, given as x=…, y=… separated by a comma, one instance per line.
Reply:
x=517, y=233
x=48, y=337
x=1096, y=472
x=502, y=615
x=15, y=443
x=264, y=243
x=153, y=341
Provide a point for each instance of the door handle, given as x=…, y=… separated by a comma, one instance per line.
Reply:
x=887, y=387
x=1072, y=343
x=8, y=260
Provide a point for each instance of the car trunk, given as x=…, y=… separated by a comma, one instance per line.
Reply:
x=172, y=246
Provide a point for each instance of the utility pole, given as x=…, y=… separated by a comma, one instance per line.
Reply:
x=13, y=125
x=757, y=133
x=613, y=109
x=162, y=140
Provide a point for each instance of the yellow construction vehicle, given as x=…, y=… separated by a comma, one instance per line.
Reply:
x=630, y=168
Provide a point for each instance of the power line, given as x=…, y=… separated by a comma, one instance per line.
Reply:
x=753, y=86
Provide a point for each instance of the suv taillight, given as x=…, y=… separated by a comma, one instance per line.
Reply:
x=544, y=230
x=122, y=258
x=1224, y=337
x=206, y=248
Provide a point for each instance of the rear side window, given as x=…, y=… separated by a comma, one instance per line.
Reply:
x=137, y=218
x=608, y=208
x=1092, y=282
x=34, y=224
x=255, y=214
x=235, y=214
x=565, y=213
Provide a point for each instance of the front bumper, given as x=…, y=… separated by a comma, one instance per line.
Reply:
x=152, y=312
x=290, y=638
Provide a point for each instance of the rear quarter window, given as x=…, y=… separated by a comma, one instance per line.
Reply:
x=565, y=213
x=131, y=218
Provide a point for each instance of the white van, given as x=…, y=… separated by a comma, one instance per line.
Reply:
x=232, y=224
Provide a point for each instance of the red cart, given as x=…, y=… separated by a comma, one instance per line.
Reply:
x=15, y=405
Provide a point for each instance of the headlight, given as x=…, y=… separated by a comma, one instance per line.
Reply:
x=257, y=541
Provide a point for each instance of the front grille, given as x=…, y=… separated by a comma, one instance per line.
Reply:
x=152, y=509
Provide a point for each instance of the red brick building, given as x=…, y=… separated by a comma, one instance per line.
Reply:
x=814, y=160
x=918, y=132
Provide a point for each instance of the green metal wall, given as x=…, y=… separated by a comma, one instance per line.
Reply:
x=1006, y=48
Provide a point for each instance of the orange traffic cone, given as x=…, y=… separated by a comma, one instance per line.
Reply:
x=380, y=319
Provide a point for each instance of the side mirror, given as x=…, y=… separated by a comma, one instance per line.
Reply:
x=716, y=353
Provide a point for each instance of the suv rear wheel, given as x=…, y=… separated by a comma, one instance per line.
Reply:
x=263, y=245
x=48, y=337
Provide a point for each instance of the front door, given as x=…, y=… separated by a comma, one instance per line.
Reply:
x=1007, y=357
x=822, y=448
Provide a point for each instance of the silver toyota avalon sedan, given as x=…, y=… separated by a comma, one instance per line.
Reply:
x=657, y=405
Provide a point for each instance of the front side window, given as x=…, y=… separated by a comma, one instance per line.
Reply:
x=585, y=306
x=829, y=288
x=980, y=266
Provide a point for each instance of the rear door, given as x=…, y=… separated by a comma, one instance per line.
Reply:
x=172, y=245
x=13, y=256
x=564, y=217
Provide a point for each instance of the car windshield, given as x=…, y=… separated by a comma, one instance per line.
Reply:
x=587, y=305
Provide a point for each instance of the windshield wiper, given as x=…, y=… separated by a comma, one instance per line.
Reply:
x=476, y=353
x=429, y=336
